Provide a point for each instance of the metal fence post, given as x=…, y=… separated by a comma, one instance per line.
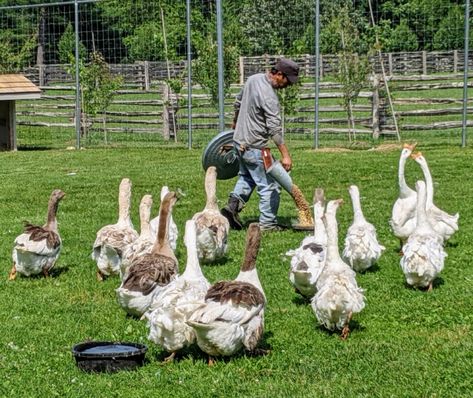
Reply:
x=465, y=72
x=317, y=74
x=189, y=75
x=221, y=94
x=78, y=105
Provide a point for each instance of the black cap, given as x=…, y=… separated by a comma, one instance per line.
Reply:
x=289, y=68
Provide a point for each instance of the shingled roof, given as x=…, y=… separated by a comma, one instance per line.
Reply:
x=14, y=86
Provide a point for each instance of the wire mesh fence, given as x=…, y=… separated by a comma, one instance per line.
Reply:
x=386, y=71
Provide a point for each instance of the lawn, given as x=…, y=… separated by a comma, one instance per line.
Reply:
x=405, y=343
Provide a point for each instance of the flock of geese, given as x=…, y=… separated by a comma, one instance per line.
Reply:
x=228, y=316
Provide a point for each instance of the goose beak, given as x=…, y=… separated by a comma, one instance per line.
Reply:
x=410, y=146
x=416, y=155
x=180, y=193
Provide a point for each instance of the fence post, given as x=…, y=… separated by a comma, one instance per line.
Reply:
x=321, y=60
x=41, y=75
x=390, y=63
x=146, y=73
x=424, y=62
x=375, y=107
x=242, y=69
x=455, y=61
x=166, y=111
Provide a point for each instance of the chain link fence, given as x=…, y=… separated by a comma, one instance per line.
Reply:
x=118, y=73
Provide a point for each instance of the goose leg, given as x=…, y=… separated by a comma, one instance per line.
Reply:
x=211, y=361
x=170, y=358
x=430, y=287
x=12, y=274
x=99, y=276
x=346, y=328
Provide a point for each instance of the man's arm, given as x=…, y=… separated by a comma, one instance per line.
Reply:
x=286, y=160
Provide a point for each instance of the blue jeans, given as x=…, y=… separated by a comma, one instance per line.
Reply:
x=251, y=175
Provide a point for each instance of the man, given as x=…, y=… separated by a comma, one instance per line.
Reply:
x=258, y=119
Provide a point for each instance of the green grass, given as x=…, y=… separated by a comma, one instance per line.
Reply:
x=405, y=343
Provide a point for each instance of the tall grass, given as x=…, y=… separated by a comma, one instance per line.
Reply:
x=405, y=343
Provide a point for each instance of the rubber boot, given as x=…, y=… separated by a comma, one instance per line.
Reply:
x=230, y=212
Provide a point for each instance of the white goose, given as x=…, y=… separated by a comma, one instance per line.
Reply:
x=212, y=227
x=403, y=218
x=233, y=315
x=150, y=272
x=309, y=258
x=173, y=232
x=423, y=254
x=112, y=240
x=145, y=241
x=37, y=249
x=173, y=305
x=362, y=249
x=443, y=223
x=338, y=296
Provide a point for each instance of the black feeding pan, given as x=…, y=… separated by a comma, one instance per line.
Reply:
x=221, y=154
x=106, y=356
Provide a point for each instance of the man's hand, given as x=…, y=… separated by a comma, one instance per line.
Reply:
x=286, y=163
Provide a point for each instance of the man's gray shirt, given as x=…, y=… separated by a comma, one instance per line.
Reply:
x=259, y=116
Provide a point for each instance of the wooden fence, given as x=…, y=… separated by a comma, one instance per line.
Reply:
x=145, y=74
x=420, y=102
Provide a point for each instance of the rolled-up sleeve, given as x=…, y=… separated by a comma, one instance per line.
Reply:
x=273, y=120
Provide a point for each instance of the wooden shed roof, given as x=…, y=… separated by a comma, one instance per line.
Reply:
x=15, y=86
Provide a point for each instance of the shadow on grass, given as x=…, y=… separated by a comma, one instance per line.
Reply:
x=300, y=300
x=34, y=148
x=57, y=271
x=195, y=354
x=435, y=284
x=354, y=325
x=374, y=268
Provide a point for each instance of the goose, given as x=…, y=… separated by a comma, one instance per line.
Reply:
x=145, y=241
x=37, y=249
x=173, y=305
x=212, y=227
x=112, y=239
x=443, y=223
x=361, y=249
x=403, y=218
x=150, y=272
x=232, y=317
x=308, y=259
x=423, y=254
x=173, y=232
x=338, y=296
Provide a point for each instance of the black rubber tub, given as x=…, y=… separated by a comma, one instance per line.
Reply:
x=107, y=356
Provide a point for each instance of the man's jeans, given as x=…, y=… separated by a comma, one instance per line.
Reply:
x=251, y=175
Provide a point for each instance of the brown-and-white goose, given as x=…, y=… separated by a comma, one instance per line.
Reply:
x=212, y=227
x=37, y=249
x=145, y=241
x=362, y=248
x=174, y=304
x=423, y=254
x=150, y=272
x=308, y=259
x=233, y=315
x=338, y=296
x=403, y=218
x=173, y=232
x=442, y=222
x=112, y=239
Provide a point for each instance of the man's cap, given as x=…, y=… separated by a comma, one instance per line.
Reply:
x=289, y=68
